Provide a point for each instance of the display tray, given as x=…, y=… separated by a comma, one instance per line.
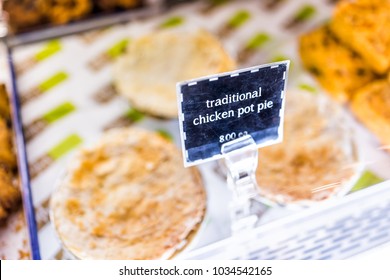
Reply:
x=65, y=99
x=349, y=228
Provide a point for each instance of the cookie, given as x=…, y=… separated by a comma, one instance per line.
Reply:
x=63, y=11
x=148, y=72
x=364, y=26
x=128, y=197
x=336, y=67
x=371, y=105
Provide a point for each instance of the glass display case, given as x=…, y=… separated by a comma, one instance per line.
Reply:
x=320, y=194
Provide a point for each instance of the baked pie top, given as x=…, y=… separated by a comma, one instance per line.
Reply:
x=317, y=157
x=128, y=197
x=152, y=65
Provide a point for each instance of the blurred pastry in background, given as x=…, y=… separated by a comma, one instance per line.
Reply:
x=9, y=191
x=128, y=197
x=4, y=103
x=351, y=59
x=63, y=11
x=148, y=72
x=371, y=105
x=337, y=68
x=29, y=15
x=23, y=14
x=7, y=156
x=317, y=158
x=364, y=26
x=108, y=5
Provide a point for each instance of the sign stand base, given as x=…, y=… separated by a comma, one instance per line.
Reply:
x=241, y=157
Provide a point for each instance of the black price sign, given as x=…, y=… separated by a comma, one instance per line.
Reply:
x=217, y=109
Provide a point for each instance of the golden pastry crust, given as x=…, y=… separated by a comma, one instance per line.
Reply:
x=3, y=215
x=128, y=197
x=147, y=74
x=364, y=26
x=309, y=165
x=4, y=104
x=9, y=194
x=63, y=11
x=112, y=4
x=371, y=105
x=337, y=68
x=23, y=14
x=7, y=156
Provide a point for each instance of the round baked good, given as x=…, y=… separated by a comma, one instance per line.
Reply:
x=128, y=197
x=147, y=74
x=317, y=158
x=23, y=14
x=63, y=11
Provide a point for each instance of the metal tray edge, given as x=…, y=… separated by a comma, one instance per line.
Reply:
x=24, y=174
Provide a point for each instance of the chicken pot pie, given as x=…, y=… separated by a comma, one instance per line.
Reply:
x=128, y=197
x=317, y=158
x=148, y=72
